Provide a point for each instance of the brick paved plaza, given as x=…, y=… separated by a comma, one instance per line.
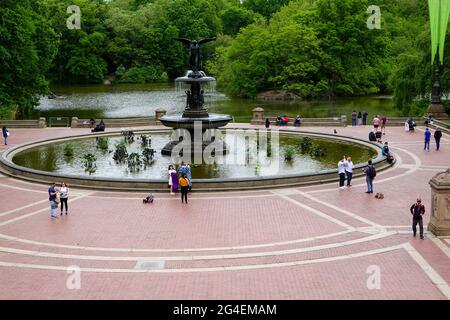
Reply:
x=315, y=242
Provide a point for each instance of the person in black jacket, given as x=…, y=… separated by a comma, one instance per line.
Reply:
x=267, y=123
x=437, y=138
x=5, y=134
x=417, y=211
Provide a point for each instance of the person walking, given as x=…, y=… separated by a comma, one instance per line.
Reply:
x=354, y=116
x=341, y=172
x=371, y=173
x=383, y=124
x=173, y=179
x=267, y=123
x=359, y=118
x=53, y=202
x=417, y=211
x=349, y=171
x=64, y=197
x=437, y=138
x=5, y=133
x=184, y=185
x=365, y=115
x=427, y=136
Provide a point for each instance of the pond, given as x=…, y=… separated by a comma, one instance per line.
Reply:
x=136, y=100
x=245, y=159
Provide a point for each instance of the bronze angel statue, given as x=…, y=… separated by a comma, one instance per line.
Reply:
x=195, y=59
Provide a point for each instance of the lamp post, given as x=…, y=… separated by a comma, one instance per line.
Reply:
x=439, y=15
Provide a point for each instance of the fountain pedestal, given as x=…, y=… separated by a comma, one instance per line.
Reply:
x=195, y=113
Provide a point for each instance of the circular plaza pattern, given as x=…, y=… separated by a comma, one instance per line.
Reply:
x=301, y=242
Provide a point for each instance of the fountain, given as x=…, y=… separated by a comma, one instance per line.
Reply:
x=195, y=113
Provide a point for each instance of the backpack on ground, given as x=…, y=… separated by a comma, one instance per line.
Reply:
x=148, y=199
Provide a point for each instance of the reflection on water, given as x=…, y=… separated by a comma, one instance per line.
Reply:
x=237, y=164
x=136, y=100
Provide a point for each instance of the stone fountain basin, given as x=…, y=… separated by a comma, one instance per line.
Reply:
x=160, y=185
x=213, y=121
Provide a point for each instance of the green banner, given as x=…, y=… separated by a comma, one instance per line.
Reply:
x=439, y=15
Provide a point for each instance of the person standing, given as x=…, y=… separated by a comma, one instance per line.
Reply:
x=371, y=173
x=64, y=197
x=173, y=179
x=267, y=123
x=52, y=199
x=184, y=185
x=417, y=211
x=427, y=139
x=437, y=138
x=186, y=169
x=341, y=171
x=5, y=133
x=349, y=171
x=354, y=116
x=365, y=114
x=359, y=118
x=376, y=123
x=383, y=124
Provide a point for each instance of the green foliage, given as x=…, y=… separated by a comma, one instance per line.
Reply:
x=89, y=163
x=265, y=7
x=28, y=45
x=68, y=150
x=121, y=153
x=313, y=48
x=134, y=162
x=289, y=153
x=102, y=143
x=128, y=136
x=306, y=144
x=146, y=141
x=147, y=155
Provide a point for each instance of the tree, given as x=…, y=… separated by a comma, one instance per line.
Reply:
x=28, y=45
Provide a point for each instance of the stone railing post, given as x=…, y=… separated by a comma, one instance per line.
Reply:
x=42, y=123
x=159, y=113
x=258, y=116
x=344, y=120
x=439, y=223
x=74, y=122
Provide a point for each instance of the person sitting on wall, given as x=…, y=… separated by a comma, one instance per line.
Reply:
x=280, y=121
x=297, y=121
x=372, y=136
x=285, y=119
x=100, y=127
x=387, y=153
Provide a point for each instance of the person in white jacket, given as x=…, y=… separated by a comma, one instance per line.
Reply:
x=341, y=171
x=64, y=197
x=349, y=170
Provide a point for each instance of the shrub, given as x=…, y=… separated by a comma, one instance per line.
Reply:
x=121, y=153
x=102, y=143
x=68, y=150
x=134, y=162
x=89, y=163
x=289, y=153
